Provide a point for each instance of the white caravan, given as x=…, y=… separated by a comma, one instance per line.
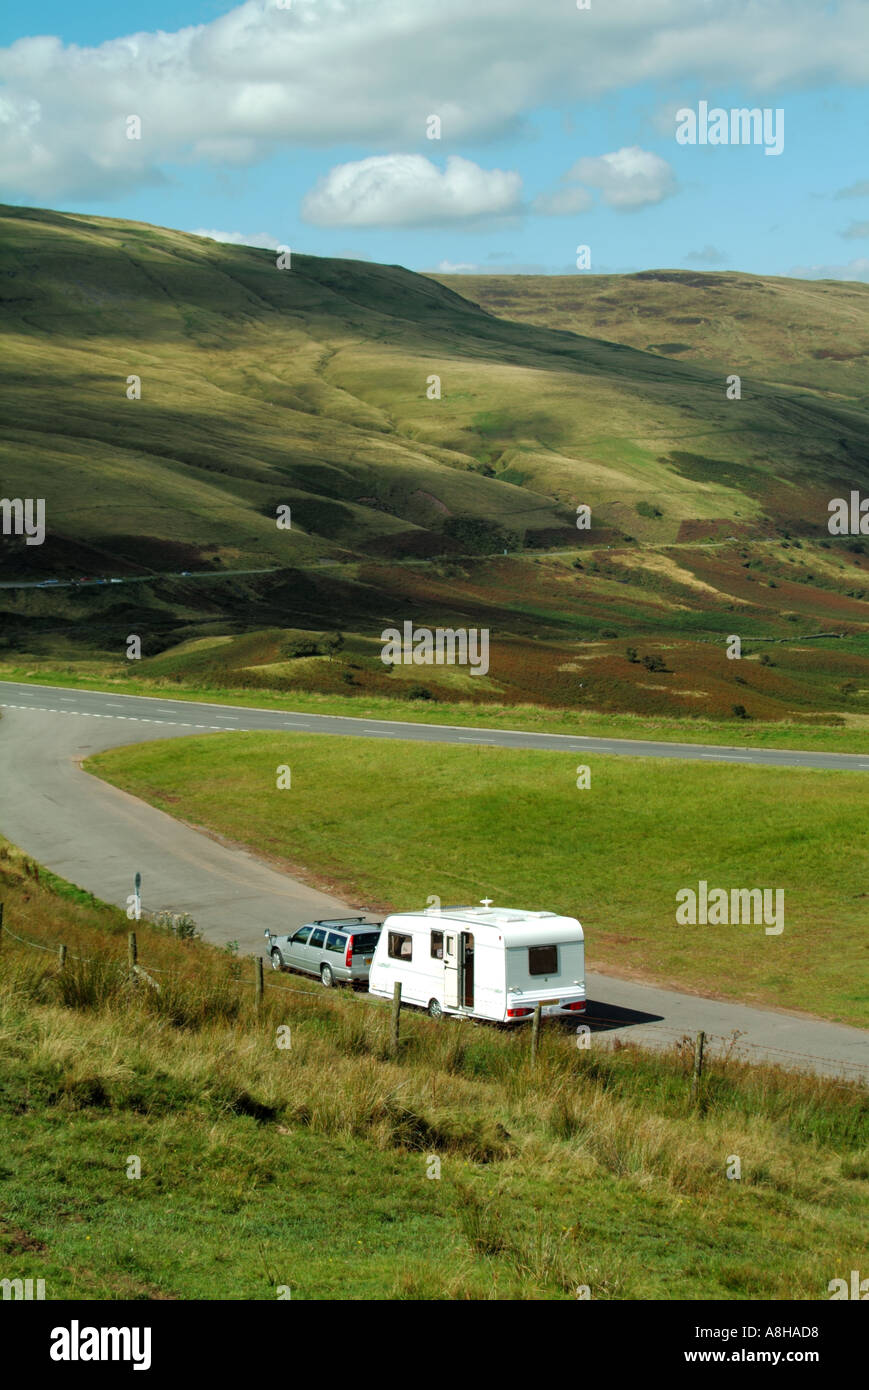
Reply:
x=482, y=962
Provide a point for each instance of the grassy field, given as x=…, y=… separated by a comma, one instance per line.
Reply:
x=335, y=1170
x=393, y=823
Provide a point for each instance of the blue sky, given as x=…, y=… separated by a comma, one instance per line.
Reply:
x=303, y=122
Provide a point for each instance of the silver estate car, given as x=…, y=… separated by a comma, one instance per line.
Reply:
x=338, y=949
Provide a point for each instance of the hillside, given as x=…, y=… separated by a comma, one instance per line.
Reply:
x=808, y=333
x=307, y=388
x=454, y=1170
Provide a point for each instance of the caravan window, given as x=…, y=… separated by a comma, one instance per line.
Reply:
x=542, y=960
x=400, y=946
x=437, y=945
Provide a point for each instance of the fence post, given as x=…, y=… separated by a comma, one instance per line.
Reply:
x=396, y=1017
x=698, y=1064
x=258, y=983
x=61, y=957
x=535, y=1033
x=1, y=926
x=132, y=953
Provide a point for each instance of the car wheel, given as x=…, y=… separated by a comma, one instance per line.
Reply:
x=326, y=976
x=434, y=1008
x=277, y=960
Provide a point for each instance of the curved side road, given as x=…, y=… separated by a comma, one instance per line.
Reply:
x=109, y=705
x=98, y=837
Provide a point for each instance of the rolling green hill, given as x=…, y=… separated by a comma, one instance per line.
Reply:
x=810, y=333
x=308, y=387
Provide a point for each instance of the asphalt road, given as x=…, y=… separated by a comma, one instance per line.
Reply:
x=98, y=837
x=189, y=715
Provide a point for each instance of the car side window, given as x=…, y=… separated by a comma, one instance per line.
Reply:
x=334, y=942
x=301, y=936
x=318, y=936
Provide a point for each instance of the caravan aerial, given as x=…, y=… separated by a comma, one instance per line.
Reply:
x=482, y=962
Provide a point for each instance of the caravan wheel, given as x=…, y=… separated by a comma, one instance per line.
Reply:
x=435, y=1010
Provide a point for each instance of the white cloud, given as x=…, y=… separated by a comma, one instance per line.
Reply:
x=241, y=238
x=708, y=255
x=408, y=190
x=455, y=268
x=860, y=189
x=854, y=270
x=856, y=231
x=259, y=79
x=563, y=202
x=628, y=179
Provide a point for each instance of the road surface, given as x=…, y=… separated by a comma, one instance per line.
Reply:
x=188, y=714
x=98, y=837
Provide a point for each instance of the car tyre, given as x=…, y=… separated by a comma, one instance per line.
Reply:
x=326, y=976
x=435, y=1010
x=277, y=960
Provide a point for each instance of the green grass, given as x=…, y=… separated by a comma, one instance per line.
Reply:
x=393, y=823
x=310, y=1167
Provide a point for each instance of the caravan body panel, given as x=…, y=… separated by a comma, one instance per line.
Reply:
x=482, y=962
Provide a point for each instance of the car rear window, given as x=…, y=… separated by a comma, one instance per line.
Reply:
x=365, y=942
x=334, y=942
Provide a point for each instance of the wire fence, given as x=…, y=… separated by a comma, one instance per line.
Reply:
x=859, y=1071
x=59, y=949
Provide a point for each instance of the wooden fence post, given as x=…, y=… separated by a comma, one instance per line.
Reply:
x=258, y=983
x=1, y=926
x=396, y=1018
x=698, y=1064
x=535, y=1033
x=132, y=953
x=61, y=957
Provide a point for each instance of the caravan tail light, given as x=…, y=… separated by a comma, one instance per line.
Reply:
x=348, y=954
x=578, y=1007
x=518, y=1013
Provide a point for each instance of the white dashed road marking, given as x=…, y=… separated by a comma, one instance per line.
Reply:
x=133, y=718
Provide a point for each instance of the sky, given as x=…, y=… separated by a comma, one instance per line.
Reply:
x=491, y=136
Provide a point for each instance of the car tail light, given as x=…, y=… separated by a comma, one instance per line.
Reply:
x=348, y=954
x=518, y=1013
x=578, y=1007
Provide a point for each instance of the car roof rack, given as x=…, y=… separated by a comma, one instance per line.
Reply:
x=335, y=921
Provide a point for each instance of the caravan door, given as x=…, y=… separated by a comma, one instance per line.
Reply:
x=451, y=969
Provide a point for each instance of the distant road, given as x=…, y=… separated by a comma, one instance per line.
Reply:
x=103, y=583
x=190, y=714
x=97, y=836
